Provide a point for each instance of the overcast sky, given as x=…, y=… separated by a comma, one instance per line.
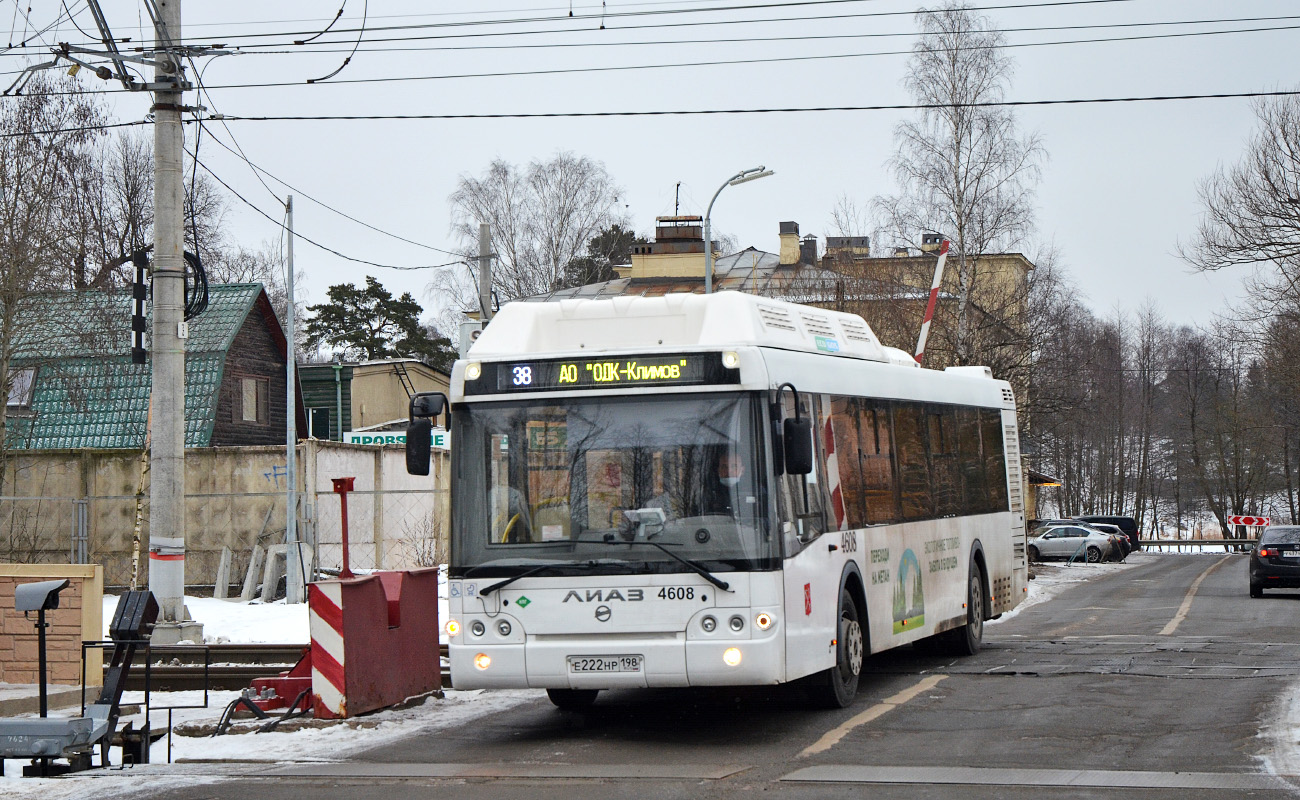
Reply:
x=1117, y=195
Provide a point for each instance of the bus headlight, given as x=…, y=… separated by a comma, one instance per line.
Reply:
x=763, y=621
x=708, y=624
x=476, y=628
x=503, y=628
x=473, y=370
x=737, y=623
x=730, y=360
x=453, y=627
x=731, y=656
x=482, y=660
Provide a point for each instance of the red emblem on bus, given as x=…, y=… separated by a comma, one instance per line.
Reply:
x=807, y=599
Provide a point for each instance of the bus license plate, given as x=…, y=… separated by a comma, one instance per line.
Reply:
x=604, y=663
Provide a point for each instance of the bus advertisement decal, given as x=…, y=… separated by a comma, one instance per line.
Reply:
x=909, y=594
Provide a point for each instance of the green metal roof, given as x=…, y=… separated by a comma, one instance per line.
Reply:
x=87, y=393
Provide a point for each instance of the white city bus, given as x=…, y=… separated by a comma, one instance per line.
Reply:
x=706, y=490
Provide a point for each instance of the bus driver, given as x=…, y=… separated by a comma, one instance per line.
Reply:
x=720, y=493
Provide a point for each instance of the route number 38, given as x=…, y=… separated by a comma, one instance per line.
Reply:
x=523, y=376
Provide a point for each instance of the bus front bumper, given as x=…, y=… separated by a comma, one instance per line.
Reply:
x=542, y=663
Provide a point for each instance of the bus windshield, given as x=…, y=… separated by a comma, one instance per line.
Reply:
x=611, y=485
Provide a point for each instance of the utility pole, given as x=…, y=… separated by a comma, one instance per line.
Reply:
x=485, y=271
x=293, y=562
x=470, y=329
x=167, y=456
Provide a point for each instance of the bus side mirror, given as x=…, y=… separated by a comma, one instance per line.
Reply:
x=798, y=446
x=419, y=434
x=428, y=404
x=419, y=441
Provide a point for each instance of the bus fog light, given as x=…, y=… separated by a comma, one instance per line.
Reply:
x=503, y=628
x=453, y=627
x=731, y=656
x=730, y=360
x=763, y=621
x=477, y=628
x=737, y=623
x=708, y=624
x=473, y=370
x=483, y=660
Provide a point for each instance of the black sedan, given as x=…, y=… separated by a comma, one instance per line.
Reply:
x=1275, y=561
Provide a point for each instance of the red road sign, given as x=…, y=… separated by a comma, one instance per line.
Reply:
x=1257, y=521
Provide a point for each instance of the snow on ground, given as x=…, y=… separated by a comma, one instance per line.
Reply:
x=321, y=741
x=232, y=621
x=226, y=621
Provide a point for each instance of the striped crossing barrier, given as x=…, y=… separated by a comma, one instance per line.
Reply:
x=362, y=655
x=325, y=602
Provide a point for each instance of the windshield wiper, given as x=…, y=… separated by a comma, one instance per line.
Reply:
x=694, y=566
x=535, y=570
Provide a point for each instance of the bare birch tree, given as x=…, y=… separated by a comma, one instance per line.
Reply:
x=1252, y=209
x=541, y=218
x=964, y=169
x=44, y=138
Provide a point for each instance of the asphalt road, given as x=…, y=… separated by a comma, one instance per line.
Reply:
x=1122, y=686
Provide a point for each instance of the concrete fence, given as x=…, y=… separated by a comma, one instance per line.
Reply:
x=79, y=506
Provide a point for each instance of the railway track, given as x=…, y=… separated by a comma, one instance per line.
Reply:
x=177, y=668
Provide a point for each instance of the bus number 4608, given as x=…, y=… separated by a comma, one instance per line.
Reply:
x=677, y=593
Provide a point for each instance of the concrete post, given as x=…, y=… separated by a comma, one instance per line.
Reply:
x=167, y=345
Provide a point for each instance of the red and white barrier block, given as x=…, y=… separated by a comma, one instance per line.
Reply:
x=362, y=656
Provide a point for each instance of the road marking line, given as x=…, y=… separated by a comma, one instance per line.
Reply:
x=1187, y=601
x=832, y=737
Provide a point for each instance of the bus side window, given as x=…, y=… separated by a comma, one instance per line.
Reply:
x=807, y=520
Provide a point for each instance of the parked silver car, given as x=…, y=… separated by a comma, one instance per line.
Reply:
x=1117, y=536
x=1065, y=541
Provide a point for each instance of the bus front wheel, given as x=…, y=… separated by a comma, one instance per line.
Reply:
x=573, y=699
x=837, y=686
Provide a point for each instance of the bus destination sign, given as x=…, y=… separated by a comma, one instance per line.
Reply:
x=683, y=369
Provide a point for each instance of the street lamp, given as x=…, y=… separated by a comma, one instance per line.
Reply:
x=744, y=176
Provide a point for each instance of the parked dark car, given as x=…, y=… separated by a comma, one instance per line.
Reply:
x=1275, y=561
x=1126, y=524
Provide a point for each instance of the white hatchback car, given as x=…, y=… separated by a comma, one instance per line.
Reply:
x=1066, y=541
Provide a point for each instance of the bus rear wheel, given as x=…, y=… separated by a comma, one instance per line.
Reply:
x=838, y=686
x=572, y=699
x=966, y=640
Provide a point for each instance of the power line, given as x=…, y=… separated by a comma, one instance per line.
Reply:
x=606, y=15
x=313, y=242
x=77, y=129
x=364, y=15
x=739, y=62
x=716, y=63
x=625, y=28
x=425, y=15
x=258, y=171
x=789, y=110
x=240, y=154
x=678, y=65
x=664, y=113
x=762, y=39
